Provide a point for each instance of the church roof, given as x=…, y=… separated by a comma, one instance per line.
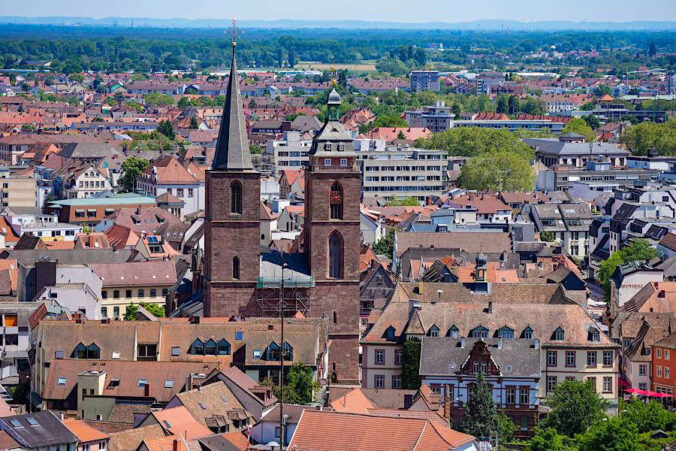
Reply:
x=333, y=139
x=232, y=147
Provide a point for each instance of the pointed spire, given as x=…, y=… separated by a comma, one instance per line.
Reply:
x=232, y=147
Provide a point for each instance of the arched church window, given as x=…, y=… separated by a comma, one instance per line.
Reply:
x=336, y=201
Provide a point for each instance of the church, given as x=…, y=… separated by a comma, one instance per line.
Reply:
x=322, y=280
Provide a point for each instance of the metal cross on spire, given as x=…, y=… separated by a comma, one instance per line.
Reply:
x=234, y=32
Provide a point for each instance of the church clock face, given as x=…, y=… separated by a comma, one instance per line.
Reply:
x=336, y=197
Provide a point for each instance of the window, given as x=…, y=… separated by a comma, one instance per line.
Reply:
x=643, y=369
x=165, y=292
x=236, y=197
x=479, y=332
x=179, y=192
x=524, y=396
x=608, y=358
x=396, y=381
x=11, y=320
x=343, y=162
x=666, y=354
x=116, y=312
x=190, y=192
x=511, y=395
x=327, y=162
x=434, y=331
x=607, y=384
x=169, y=383
x=551, y=358
x=527, y=333
x=235, y=268
x=175, y=351
x=116, y=294
x=659, y=370
x=524, y=422
x=551, y=383
x=336, y=201
x=336, y=256
x=667, y=372
x=104, y=312
x=223, y=347
x=141, y=293
x=153, y=293
x=142, y=382
x=398, y=357
x=506, y=333
x=210, y=347
x=379, y=381
x=380, y=357
x=127, y=294
x=475, y=367
x=559, y=334
x=593, y=335
x=453, y=332
x=592, y=381
x=197, y=347
x=591, y=358
x=642, y=386
x=85, y=352
x=239, y=335
x=62, y=381
x=104, y=294
x=147, y=352
x=659, y=353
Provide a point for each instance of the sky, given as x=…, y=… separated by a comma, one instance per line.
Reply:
x=371, y=10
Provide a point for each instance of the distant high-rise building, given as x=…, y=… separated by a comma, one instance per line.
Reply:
x=425, y=80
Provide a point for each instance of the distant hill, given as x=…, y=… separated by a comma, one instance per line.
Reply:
x=344, y=24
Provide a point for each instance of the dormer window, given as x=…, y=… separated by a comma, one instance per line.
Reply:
x=452, y=332
x=389, y=333
x=479, y=332
x=506, y=333
x=327, y=146
x=527, y=333
x=433, y=332
x=593, y=335
x=559, y=334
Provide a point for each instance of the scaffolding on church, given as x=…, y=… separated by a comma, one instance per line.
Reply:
x=296, y=296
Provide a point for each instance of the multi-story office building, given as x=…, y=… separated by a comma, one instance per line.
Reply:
x=437, y=118
x=18, y=192
x=291, y=152
x=403, y=172
x=425, y=80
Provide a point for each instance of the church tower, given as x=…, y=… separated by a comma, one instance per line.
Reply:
x=332, y=238
x=232, y=215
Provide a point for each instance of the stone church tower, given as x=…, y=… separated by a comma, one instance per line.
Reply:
x=232, y=216
x=332, y=238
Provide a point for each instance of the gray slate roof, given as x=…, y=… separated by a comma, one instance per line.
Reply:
x=556, y=147
x=444, y=356
x=48, y=430
x=232, y=147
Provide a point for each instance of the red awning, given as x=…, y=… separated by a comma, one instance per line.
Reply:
x=622, y=382
x=653, y=394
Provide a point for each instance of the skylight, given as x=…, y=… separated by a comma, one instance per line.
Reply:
x=169, y=383
x=31, y=421
x=62, y=381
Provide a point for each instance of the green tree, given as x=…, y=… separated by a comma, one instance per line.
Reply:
x=641, y=138
x=167, y=129
x=194, y=124
x=575, y=406
x=546, y=235
x=579, y=126
x=155, y=99
x=506, y=428
x=547, y=439
x=76, y=77
x=592, y=121
x=512, y=105
x=385, y=245
x=131, y=170
x=255, y=149
x=498, y=170
x=638, y=250
x=472, y=141
x=647, y=417
x=403, y=202
x=481, y=417
x=299, y=385
x=153, y=309
x=410, y=371
x=183, y=103
x=501, y=105
x=612, y=434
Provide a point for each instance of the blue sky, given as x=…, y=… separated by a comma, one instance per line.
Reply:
x=372, y=10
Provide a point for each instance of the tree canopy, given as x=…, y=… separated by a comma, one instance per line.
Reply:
x=498, y=170
x=643, y=137
x=575, y=406
x=132, y=168
x=481, y=417
x=638, y=250
x=581, y=127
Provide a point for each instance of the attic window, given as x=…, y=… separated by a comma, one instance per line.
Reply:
x=257, y=354
x=175, y=351
x=559, y=334
x=114, y=383
x=169, y=383
x=15, y=423
x=452, y=332
x=593, y=335
x=434, y=331
x=58, y=354
x=31, y=421
x=142, y=382
x=116, y=355
x=62, y=381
